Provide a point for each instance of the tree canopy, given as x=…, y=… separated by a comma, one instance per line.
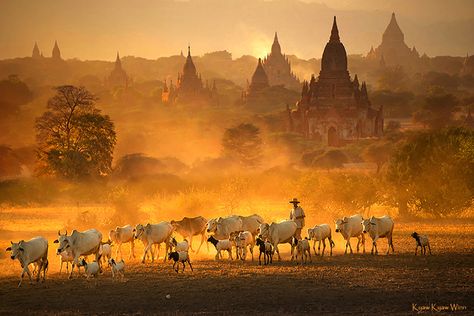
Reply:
x=434, y=172
x=74, y=139
x=243, y=143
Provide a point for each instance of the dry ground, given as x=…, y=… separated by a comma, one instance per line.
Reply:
x=362, y=284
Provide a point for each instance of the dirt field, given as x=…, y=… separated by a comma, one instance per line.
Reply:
x=362, y=284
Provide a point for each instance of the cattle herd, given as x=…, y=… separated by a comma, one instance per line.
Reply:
x=232, y=234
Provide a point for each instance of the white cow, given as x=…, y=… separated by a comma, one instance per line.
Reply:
x=279, y=233
x=222, y=227
x=123, y=235
x=33, y=251
x=320, y=233
x=379, y=227
x=152, y=234
x=251, y=223
x=80, y=244
x=350, y=227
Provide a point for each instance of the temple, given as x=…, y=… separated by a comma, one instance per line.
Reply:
x=36, y=52
x=468, y=66
x=278, y=68
x=393, y=49
x=56, y=53
x=118, y=77
x=189, y=88
x=257, y=85
x=335, y=109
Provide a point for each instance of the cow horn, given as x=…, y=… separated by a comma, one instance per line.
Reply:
x=66, y=232
x=11, y=242
x=59, y=232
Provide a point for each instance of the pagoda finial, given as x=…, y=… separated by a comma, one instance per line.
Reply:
x=276, y=49
x=118, y=57
x=334, y=31
x=189, y=50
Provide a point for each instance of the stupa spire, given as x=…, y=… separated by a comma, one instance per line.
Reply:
x=334, y=32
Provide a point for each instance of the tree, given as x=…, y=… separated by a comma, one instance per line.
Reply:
x=378, y=153
x=74, y=139
x=434, y=172
x=440, y=107
x=13, y=94
x=393, y=78
x=331, y=159
x=9, y=162
x=243, y=143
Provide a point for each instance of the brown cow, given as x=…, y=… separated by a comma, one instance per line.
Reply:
x=192, y=226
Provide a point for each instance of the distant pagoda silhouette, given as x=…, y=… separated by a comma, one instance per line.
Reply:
x=393, y=50
x=189, y=88
x=118, y=77
x=56, y=53
x=278, y=68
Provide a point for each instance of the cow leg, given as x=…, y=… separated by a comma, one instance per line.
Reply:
x=278, y=252
x=429, y=248
x=25, y=269
x=251, y=250
x=349, y=243
x=324, y=247
x=189, y=262
x=191, y=243
x=166, y=251
x=331, y=245
x=260, y=259
x=40, y=267
x=391, y=243
x=416, y=250
x=145, y=252
x=309, y=254
x=202, y=240
x=117, y=251
x=374, y=245
x=230, y=254
x=363, y=243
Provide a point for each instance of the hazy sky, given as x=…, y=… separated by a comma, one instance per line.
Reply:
x=91, y=29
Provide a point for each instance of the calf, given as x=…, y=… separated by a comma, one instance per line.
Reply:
x=118, y=268
x=65, y=257
x=242, y=240
x=221, y=245
x=422, y=242
x=320, y=233
x=266, y=249
x=301, y=247
x=32, y=251
x=181, y=256
x=105, y=251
